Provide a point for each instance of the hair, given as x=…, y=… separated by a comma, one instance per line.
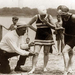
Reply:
x=63, y=8
x=15, y=18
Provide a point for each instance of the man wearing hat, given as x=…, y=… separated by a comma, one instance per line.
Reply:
x=68, y=22
x=10, y=46
x=14, y=20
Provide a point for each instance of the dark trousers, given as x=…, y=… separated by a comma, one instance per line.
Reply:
x=4, y=63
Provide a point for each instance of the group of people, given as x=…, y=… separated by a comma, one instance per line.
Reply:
x=64, y=28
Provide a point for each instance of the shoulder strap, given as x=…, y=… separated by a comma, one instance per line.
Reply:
x=37, y=16
x=48, y=18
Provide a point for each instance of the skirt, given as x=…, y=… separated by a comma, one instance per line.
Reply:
x=44, y=36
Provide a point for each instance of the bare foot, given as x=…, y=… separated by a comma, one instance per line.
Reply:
x=65, y=73
x=70, y=70
x=45, y=70
x=32, y=71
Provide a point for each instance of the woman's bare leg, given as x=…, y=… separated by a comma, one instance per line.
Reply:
x=34, y=59
x=46, y=56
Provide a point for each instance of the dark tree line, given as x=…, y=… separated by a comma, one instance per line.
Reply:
x=27, y=12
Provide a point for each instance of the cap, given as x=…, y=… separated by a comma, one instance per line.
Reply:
x=63, y=8
x=21, y=24
x=15, y=18
x=42, y=10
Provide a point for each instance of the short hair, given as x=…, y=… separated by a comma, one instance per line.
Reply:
x=63, y=8
x=15, y=18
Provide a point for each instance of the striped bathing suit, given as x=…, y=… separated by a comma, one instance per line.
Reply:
x=43, y=33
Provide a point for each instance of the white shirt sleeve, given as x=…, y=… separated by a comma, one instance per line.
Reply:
x=12, y=44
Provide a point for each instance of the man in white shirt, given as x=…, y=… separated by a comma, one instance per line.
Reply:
x=10, y=46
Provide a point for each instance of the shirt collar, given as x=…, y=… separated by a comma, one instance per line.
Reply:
x=15, y=33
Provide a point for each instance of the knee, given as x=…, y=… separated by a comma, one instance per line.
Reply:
x=64, y=53
x=45, y=52
x=36, y=53
x=70, y=53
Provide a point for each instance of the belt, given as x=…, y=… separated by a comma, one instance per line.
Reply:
x=69, y=35
x=2, y=51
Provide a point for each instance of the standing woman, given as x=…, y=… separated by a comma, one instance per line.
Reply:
x=68, y=22
x=44, y=23
x=59, y=35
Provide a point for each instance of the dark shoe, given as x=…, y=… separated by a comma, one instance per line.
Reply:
x=20, y=69
x=5, y=72
x=5, y=69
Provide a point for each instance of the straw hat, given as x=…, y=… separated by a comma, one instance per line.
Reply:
x=21, y=24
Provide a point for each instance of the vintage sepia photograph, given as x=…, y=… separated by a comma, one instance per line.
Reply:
x=37, y=37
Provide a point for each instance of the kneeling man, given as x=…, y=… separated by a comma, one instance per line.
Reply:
x=10, y=46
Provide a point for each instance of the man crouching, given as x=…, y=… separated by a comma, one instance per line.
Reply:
x=10, y=46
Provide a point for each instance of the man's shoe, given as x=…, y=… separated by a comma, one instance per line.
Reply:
x=5, y=70
x=20, y=69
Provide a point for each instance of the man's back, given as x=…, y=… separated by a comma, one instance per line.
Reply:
x=12, y=37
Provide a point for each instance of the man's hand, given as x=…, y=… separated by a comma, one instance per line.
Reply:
x=31, y=44
x=24, y=46
x=31, y=54
x=27, y=53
